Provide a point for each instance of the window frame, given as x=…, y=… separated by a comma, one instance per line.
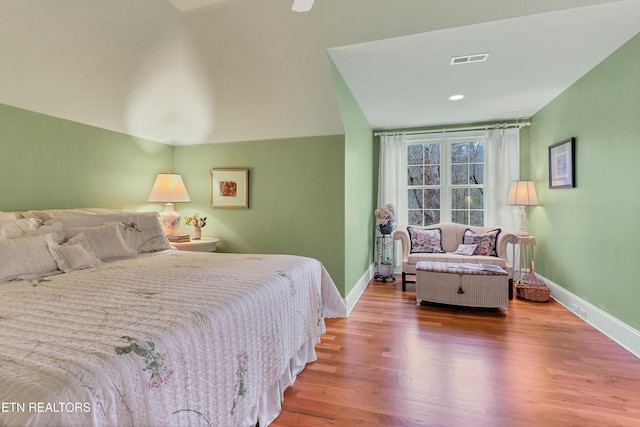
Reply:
x=446, y=140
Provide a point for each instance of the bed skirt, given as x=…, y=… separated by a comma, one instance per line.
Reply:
x=270, y=404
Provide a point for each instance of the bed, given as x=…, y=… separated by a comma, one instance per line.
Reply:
x=154, y=336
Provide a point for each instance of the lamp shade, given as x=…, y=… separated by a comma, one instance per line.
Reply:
x=169, y=188
x=522, y=193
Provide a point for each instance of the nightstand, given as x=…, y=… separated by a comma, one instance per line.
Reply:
x=206, y=244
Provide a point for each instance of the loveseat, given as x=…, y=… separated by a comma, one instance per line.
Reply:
x=440, y=242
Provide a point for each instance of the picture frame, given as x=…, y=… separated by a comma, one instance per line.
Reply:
x=229, y=188
x=562, y=171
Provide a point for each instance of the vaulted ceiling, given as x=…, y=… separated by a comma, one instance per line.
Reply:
x=199, y=71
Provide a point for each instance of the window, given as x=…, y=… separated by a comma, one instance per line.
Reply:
x=445, y=179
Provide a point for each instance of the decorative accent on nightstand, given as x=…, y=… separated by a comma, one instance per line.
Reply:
x=197, y=223
x=169, y=189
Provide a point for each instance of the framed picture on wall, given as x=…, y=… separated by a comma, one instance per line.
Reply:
x=229, y=188
x=562, y=172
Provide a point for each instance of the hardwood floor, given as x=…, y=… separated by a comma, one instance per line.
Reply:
x=394, y=364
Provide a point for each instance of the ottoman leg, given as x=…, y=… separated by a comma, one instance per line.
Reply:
x=511, y=288
x=404, y=281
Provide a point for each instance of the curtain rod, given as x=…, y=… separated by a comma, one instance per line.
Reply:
x=505, y=125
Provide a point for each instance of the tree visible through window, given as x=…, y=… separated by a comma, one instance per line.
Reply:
x=445, y=180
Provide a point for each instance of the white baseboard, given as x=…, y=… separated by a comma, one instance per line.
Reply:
x=621, y=333
x=359, y=288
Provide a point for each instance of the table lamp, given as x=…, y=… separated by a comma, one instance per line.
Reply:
x=169, y=189
x=522, y=193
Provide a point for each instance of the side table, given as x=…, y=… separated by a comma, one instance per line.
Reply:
x=206, y=244
x=385, y=258
x=525, y=252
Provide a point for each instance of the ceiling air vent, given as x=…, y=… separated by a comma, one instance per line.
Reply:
x=467, y=59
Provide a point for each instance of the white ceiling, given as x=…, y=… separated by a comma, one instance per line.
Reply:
x=406, y=81
x=233, y=70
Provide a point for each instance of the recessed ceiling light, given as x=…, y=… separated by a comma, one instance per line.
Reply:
x=456, y=97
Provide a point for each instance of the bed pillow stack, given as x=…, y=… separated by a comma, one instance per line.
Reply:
x=31, y=248
x=10, y=229
x=140, y=231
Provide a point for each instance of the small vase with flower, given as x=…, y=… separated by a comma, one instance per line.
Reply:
x=197, y=224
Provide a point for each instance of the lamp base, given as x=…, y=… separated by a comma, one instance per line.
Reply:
x=170, y=220
x=522, y=231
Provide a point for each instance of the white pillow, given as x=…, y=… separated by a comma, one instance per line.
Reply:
x=141, y=231
x=55, y=230
x=75, y=254
x=58, y=213
x=466, y=249
x=18, y=227
x=105, y=240
x=8, y=216
x=26, y=257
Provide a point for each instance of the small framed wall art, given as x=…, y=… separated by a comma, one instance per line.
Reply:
x=562, y=171
x=229, y=188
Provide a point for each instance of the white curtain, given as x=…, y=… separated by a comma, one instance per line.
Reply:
x=392, y=180
x=502, y=165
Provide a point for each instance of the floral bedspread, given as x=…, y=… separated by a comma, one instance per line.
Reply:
x=175, y=339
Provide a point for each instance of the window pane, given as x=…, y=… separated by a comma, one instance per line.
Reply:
x=415, y=217
x=460, y=152
x=459, y=174
x=415, y=175
x=414, y=154
x=431, y=217
x=460, y=217
x=432, y=154
x=432, y=175
x=477, y=198
x=476, y=152
x=476, y=173
x=459, y=199
x=416, y=199
x=432, y=199
x=477, y=218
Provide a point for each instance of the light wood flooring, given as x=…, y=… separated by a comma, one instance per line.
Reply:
x=394, y=364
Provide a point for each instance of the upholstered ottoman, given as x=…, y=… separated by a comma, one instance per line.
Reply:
x=472, y=285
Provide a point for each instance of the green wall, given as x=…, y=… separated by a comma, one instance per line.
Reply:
x=586, y=236
x=296, y=197
x=46, y=162
x=361, y=172
x=296, y=186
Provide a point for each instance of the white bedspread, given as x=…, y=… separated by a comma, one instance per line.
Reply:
x=171, y=339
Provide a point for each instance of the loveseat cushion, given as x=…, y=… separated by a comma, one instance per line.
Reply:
x=451, y=257
x=427, y=240
x=487, y=242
